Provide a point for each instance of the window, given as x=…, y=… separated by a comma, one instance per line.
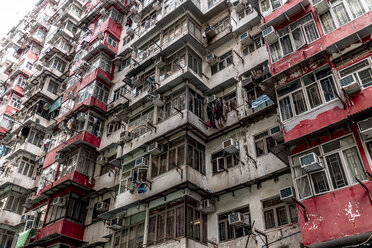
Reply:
x=175, y=63
x=14, y=203
x=148, y=22
x=173, y=154
x=75, y=209
x=133, y=233
x=71, y=27
x=74, y=10
x=167, y=222
x=361, y=71
x=342, y=164
x=257, y=43
x=116, y=16
x=95, y=89
x=222, y=25
x=268, y=6
x=95, y=125
x=119, y=93
x=229, y=232
x=36, y=137
x=294, y=37
x=53, y=87
x=196, y=105
x=211, y=3
x=47, y=176
x=113, y=127
x=223, y=160
x=148, y=50
x=138, y=124
x=195, y=155
x=63, y=45
x=342, y=12
x=66, y=107
x=224, y=61
x=29, y=65
x=68, y=166
x=171, y=103
x=6, y=238
x=194, y=61
x=112, y=41
x=6, y=122
x=15, y=101
x=58, y=64
x=21, y=81
x=306, y=93
x=25, y=166
x=247, y=10
x=101, y=61
x=175, y=30
x=263, y=143
x=125, y=64
x=278, y=213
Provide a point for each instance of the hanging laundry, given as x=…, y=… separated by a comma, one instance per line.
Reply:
x=141, y=188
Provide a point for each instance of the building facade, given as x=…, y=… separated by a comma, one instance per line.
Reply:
x=187, y=123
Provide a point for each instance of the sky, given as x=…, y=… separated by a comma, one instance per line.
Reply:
x=11, y=11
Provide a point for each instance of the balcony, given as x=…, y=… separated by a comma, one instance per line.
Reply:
x=244, y=24
x=95, y=74
x=25, y=147
x=258, y=106
x=36, y=93
x=252, y=60
x=83, y=137
x=97, y=46
x=75, y=179
x=344, y=209
x=92, y=102
x=52, y=50
x=179, y=77
x=61, y=229
x=284, y=13
x=9, y=218
x=108, y=25
x=18, y=179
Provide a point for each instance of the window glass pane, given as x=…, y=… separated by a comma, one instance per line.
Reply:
x=328, y=88
x=269, y=219
x=303, y=187
x=356, y=8
x=285, y=108
x=366, y=77
x=311, y=32
x=286, y=45
x=336, y=171
x=341, y=14
x=281, y=213
x=313, y=95
x=298, y=38
x=328, y=23
x=320, y=182
x=353, y=164
x=299, y=102
x=275, y=52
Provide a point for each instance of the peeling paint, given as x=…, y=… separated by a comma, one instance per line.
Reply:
x=352, y=210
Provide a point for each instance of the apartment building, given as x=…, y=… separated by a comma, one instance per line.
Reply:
x=187, y=123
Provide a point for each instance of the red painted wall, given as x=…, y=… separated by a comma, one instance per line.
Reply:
x=305, y=127
x=342, y=213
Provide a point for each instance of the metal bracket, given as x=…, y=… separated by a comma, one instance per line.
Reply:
x=369, y=175
x=152, y=125
x=263, y=234
x=239, y=56
x=179, y=111
x=302, y=206
x=179, y=170
x=365, y=187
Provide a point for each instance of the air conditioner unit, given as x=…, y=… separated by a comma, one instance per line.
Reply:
x=126, y=136
x=100, y=35
x=59, y=158
x=210, y=32
x=230, y=146
x=133, y=10
x=160, y=62
x=239, y=5
x=71, y=95
x=321, y=6
x=207, y=206
x=270, y=35
x=158, y=101
x=350, y=84
x=27, y=217
x=246, y=39
x=141, y=163
x=81, y=117
x=130, y=31
x=41, y=161
x=211, y=99
x=59, y=201
x=212, y=59
x=276, y=134
x=154, y=148
x=116, y=224
x=238, y=219
x=365, y=128
x=101, y=160
x=102, y=206
x=246, y=81
x=286, y=194
x=311, y=162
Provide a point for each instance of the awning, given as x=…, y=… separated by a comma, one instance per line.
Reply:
x=23, y=237
x=57, y=103
x=260, y=100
